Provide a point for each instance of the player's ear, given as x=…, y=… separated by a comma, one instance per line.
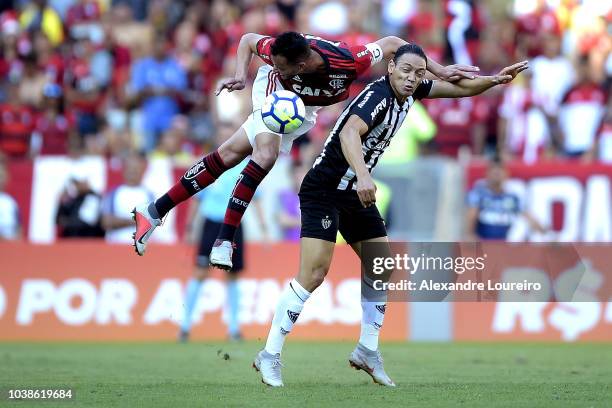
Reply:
x=390, y=66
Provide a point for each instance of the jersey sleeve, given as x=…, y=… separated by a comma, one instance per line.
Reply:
x=365, y=56
x=423, y=89
x=263, y=47
x=370, y=106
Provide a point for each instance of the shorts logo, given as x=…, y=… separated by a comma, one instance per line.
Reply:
x=292, y=315
x=284, y=332
x=381, y=308
x=336, y=83
x=326, y=222
x=195, y=170
x=376, y=325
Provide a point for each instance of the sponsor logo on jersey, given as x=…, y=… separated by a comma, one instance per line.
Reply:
x=336, y=83
x=326, y=222
x=363, y=53
x=195, y=170
x=381, y=105
x=195, y=185
x=365, y=99
x=297, y=78
x=373, y=143
x=292, y=315
x=308, y=91
x=338, y=76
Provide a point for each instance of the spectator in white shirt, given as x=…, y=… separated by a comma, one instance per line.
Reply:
x=10, y=224
x=553, y=74
x=581, y=112
x=119, y=202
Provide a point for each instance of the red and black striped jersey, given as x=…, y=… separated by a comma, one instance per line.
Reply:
x=343, y=65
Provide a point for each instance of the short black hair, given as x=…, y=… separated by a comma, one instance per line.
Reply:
x=291, y=45
x=410, y=49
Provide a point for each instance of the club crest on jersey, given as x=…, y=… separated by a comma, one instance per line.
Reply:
x=336, y=83
x=326, y=222
x=195, y=170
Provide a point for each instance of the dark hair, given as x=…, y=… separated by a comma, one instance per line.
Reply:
x=410, y=49
x=292, y=46
x=496, y=161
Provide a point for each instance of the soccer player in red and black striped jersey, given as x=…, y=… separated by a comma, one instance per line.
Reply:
x=320, y=72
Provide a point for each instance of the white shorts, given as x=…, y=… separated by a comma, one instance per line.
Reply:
x=264, y=85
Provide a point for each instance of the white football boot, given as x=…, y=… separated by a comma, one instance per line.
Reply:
x=269, y=366
x=372, y=363
x=221, y=254
x=145, y=225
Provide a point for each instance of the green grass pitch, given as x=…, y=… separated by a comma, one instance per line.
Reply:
x=316, y=374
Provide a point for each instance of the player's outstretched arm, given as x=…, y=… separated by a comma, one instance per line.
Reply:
x=350, y=140
x=449, y=73
x=471, y=87
x=246, y=48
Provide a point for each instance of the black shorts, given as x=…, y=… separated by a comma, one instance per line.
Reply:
x=326, y=211
x=210, y=231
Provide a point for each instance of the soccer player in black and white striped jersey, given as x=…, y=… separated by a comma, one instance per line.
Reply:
x=338, y=194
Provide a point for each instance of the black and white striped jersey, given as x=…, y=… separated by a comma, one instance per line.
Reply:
x=378, y=107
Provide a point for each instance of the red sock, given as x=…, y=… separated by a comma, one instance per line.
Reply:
x=199, y=176
x=241, y=197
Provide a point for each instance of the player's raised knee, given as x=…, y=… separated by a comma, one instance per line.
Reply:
x=266, y=155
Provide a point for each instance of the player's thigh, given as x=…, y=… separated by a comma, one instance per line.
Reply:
x=236, y=148
x=315, y=259
x=357, y=223
x=358, y=246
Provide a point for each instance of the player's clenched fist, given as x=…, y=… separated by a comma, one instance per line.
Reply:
x=366, y=190
x=231, y=84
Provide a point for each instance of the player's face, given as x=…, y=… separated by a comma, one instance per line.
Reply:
x=406, y=75
x=286, y=69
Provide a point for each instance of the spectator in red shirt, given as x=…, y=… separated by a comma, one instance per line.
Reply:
x=81, y=16
x=54, y=126
x=460, y=122
x=16, y=124
x=88, y=73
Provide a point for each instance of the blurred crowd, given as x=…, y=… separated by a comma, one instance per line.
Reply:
x=120, y=78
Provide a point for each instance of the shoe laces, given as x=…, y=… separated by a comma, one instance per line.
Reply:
x=379, y=358
x=276, y=363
